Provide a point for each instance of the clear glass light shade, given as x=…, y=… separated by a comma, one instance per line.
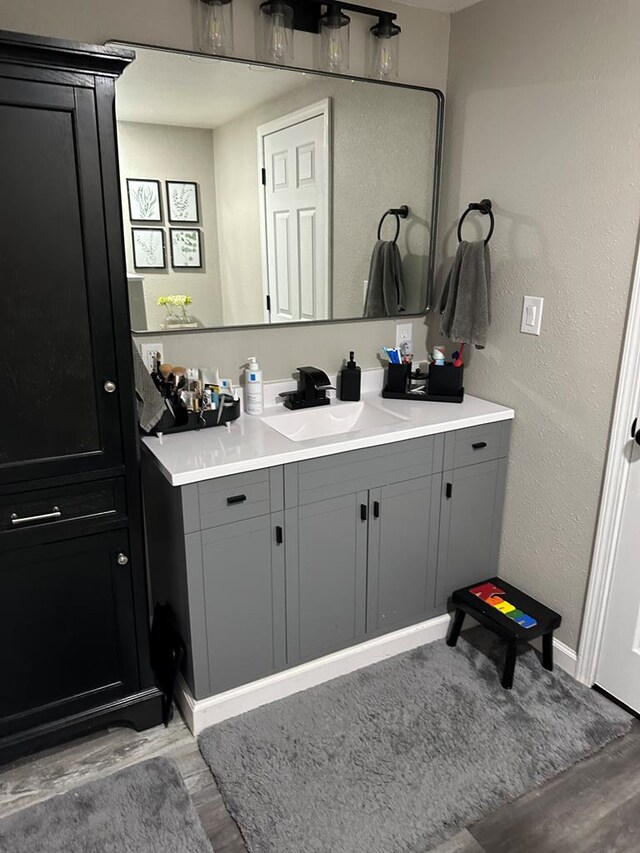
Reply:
x=334, y=41
x=384, y=51
x=276, y=32
x=216, y=27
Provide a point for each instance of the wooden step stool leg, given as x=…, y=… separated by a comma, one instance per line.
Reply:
x=547, y=651
x=455, y=627
x=510, y=664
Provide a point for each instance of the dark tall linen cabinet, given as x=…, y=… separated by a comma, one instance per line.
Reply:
x=74, y=646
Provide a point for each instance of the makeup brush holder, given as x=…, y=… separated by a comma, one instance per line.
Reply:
x=198, y=420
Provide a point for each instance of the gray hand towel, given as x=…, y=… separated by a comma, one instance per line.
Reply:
x=149, y=403
x=465, y=304
x=385, y=291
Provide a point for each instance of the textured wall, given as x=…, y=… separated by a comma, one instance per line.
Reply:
x=543, y=116
x=375, y=165
x=423, y=61
x=162, y=153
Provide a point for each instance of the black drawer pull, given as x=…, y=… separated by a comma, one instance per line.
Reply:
x=449, y=490
x=363, y=512
x=46, y=516
x=479, y=445
x=376, y=509
x=236, y=499
x=279, y=535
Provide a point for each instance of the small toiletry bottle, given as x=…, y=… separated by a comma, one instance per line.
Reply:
x=350, y=380
x=253, y=388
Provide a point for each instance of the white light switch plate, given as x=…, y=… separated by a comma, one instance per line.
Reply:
x=532, y=315
x=148, y=353
x=404, y=335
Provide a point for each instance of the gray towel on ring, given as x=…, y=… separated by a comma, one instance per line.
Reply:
x=465, y=304
x=385, y=290
x=149, y=403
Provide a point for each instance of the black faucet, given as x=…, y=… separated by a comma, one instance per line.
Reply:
x=313, y=385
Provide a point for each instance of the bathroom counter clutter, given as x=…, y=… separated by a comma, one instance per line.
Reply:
x=281, y=436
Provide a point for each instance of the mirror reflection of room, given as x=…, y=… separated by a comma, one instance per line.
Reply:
x=255, y=195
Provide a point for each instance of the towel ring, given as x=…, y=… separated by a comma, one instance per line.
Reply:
x=484, y=207
x=399, y=213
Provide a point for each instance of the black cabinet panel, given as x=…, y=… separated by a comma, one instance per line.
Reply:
x=57, y=328
x=73, y=617
x=67, y=609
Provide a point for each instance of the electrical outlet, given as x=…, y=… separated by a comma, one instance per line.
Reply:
x=148, y=353
x=404, y=336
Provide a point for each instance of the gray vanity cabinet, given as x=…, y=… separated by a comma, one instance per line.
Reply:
x=472, y=506
x=403, y=552
x=270, y=568
x=361, y=544
x=243, y=586
x=326, y=570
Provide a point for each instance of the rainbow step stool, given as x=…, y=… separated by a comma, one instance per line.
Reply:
x=509, y=613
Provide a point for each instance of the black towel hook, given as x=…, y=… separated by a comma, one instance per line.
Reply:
x=484, y=207
x=399, y=213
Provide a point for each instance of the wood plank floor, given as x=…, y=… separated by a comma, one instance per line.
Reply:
x=594, y=807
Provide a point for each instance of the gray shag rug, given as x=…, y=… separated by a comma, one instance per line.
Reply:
x=143, y=809
x=397, y=757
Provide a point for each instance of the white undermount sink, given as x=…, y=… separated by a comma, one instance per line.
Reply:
x=335, y=419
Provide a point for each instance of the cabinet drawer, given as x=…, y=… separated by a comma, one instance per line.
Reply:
x=477, y=444
x=359, y=470
x=239, y=497
x=48, y=507
x=62, y=511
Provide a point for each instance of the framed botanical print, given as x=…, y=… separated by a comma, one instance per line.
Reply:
x=148, y=248
x=144, y=200
x=182, y=201
x=185, y=248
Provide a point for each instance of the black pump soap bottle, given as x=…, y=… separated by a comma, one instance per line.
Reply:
x=350, y=381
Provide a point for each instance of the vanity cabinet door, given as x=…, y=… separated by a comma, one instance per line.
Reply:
x=326, y=565
x=403, y=553
x=56, y=324
x=66, y=629
x=243, y=570
x=470, y=525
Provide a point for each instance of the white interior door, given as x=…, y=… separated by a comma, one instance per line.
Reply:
x=619, y=663
x=295, y=160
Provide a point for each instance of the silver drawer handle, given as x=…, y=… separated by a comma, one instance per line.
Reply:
x=109, y=386
x=46, y=516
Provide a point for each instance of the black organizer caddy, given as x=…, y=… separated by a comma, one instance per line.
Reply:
x=167, y=423
x=443, y=383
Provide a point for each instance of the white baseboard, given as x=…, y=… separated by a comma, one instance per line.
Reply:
x=199, y=714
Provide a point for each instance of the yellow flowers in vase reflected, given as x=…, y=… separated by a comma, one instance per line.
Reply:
x=176, y=306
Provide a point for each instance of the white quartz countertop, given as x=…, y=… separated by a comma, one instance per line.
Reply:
x=249, y=444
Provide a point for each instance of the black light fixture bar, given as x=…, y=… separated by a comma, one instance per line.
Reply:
x=306, y=13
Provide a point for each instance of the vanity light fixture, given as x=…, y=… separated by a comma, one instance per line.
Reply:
x=276, y=32
x=384, y=48
x=334, y=28
x=216, y=27
x=280, y=18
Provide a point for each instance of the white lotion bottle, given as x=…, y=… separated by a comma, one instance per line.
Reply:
x=253, y=395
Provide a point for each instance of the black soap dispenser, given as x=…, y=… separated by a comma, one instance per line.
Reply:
x=350, y=381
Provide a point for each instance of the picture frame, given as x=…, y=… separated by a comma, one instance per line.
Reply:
x=186, y=248
x=182, y=201
x=144, y=199
x=149, y=252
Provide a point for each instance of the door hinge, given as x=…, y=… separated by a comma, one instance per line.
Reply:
x=449, y=490
x=263, y=173
x=268, y=303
